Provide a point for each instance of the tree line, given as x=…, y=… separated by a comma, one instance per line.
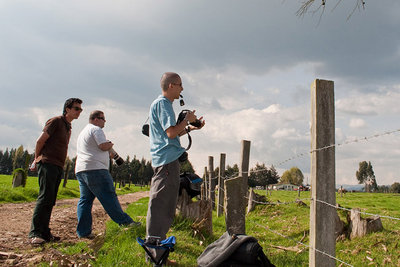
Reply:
x=140, y=171
x=131, y=171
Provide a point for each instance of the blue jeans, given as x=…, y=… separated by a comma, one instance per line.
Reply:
x=97, y=183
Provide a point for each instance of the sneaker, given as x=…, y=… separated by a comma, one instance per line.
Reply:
x=37, y=240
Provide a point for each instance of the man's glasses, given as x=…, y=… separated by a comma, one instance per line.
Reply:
x=102, y=118
x=180, y=84
x=77, y=108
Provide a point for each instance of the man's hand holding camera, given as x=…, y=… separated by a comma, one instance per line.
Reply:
x=193, y=122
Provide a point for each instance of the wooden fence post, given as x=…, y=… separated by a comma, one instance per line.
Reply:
x=211, y=181
x=205, y=183
x=236, y=193
x=244, y=164
x=233, y=205
x=322, y=216
x=221, y=188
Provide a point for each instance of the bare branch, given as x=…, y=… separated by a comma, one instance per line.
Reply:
x=305, y=6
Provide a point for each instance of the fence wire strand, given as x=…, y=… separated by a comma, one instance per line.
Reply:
x=361, y=212
x=237, y=174
x=301, y=243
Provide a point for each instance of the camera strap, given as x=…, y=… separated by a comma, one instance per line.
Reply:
x=146, y=128
x=189, y=137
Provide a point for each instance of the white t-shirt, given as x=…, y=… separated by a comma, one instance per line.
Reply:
x=89, y=155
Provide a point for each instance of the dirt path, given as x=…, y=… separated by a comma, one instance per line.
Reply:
x=15, y=249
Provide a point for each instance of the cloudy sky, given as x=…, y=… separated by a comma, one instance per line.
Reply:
x=246, y=66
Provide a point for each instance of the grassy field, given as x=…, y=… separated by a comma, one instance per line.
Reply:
x=267, y=223
x=264, y=223
x=29, y=193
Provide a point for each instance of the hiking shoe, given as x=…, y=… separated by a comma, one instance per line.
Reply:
x=54, y=238
x=37, y=240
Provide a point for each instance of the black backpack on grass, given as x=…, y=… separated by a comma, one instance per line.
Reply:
x=234, y=251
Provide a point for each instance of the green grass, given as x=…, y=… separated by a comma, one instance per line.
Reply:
x=377, y=249
x=383, y=248
x=29, y=193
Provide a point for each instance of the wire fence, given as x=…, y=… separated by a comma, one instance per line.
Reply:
x=235, y=175
x=305, y=245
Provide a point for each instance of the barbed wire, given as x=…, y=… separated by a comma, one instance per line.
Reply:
x=321, y=201
x=366, y=138
x=358, y=211
x=280, y=203
x=301, y=243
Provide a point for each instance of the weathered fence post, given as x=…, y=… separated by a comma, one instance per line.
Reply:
x=236, y=193
x=322, y=216
x=233, y=205
x=221, y=178
x=205, y=184
x=244, y=164
x=211, y=179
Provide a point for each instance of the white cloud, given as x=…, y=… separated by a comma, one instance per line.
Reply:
x=357, y=123
x=249, y=78
x=275, y=108
x=283, y=133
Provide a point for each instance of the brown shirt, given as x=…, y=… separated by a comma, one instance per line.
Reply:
x=56, y=147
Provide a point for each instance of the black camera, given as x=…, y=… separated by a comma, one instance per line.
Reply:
x=182, y=115
x=118, y=160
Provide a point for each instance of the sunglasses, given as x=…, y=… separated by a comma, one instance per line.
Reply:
x=77, y=108
x=102, y=118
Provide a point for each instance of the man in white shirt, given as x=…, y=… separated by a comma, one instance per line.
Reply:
x=92, y=172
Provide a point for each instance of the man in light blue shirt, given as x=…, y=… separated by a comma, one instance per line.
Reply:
x=165, y=150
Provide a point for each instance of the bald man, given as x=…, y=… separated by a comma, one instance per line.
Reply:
x=165, y=150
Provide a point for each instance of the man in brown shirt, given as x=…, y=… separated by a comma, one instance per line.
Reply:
x=50, y=154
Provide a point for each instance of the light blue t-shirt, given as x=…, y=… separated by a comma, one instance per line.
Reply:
x=163, y=150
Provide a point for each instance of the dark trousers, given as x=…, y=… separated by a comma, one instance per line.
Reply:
x=49, y=180
x=164, y=192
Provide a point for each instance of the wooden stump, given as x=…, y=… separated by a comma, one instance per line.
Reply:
x=200, y=212
x=360, y=227
x=18, y=179
x=339, y=226
x=253, y=199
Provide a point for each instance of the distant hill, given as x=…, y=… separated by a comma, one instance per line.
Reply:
x=351, y=187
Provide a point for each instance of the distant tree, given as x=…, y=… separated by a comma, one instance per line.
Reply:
x=383, y=189
x=6, y=163
x=365, y=175
x=232, y=172
x=187, y=167
x=18, y=160
x=134, y=170
x=274, y=176
x=292, y=176
x=260, y=175
x=148, y=173
x=71, y=170
x=395, y=188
